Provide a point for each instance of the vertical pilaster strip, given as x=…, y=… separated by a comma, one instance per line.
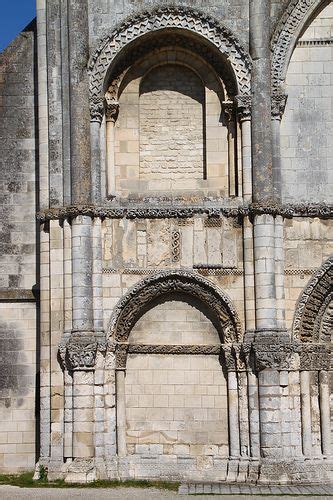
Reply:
x=68, y=416
x=97, y=275
x=55, y=102
x=45, y=355
x=83, y=412
x=306, y=413
x=43, y=119
x=325, y=414
x=67, y=276
x=79, y=101
x=57, y=328
x=279, y=271
x=249, y=296
x=253, y=397
x=66, y=158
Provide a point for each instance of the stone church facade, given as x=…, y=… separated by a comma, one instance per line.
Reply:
x=166, y=241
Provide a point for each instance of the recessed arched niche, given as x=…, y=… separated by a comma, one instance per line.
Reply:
x=175, y=132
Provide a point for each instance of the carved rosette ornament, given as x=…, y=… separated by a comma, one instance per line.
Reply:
x=78, y=351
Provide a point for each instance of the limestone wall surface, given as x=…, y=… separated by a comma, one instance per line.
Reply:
x=307, y=124
x=105, y=15
x=18, y=163
x=18, y=170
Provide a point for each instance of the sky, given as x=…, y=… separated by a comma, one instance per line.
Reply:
x=14, y=16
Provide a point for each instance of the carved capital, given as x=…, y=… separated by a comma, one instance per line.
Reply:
x=278, y=104
x=78, y=350
x=96, y=109
x=316, y=356
x=112, y=110
x=121, y=352
x=274, y=350
x=243, y=103
x=229, y=110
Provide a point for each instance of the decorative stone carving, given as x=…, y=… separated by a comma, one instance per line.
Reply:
x=243, y=107
x=78, y=350
x=137, y=298
x=273, y=349
x=116, y=211
x=173, y=349
x=112, y=110
x=308, y=314
x=97, y=109
x=285, y=37
x=171, y=17
x=175, y=246
x=278, y=104
x=316, y=357
x=170, y=39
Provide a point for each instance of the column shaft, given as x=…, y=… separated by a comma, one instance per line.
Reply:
x=234, y=444
x=325, y=414
x=121, y=413
x=79, y=101
x=306, y=414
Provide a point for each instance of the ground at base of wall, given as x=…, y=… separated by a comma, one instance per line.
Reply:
x=15, y=493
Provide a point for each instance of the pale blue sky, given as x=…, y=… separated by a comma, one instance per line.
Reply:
x=15, y=16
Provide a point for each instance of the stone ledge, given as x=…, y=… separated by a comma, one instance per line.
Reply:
x=18, y=295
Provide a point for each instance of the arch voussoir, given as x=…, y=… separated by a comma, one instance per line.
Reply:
x=143, y=293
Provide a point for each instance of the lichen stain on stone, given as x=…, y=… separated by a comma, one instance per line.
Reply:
x=13, y=371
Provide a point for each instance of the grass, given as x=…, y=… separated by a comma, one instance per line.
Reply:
x=25, y=480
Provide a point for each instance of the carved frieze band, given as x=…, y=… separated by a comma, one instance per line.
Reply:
x=320, y=210
x=149, y=271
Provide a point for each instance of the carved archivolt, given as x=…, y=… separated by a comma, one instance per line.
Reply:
x=179, y=18
x=285, y=37
x=313, y=312
x=142, y=294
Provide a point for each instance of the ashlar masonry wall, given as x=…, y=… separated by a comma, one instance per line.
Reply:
x=176, y=404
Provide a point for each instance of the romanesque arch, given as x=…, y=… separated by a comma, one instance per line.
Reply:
x=313, y=320
x=142, y=294
x=285, y=37
x=180, y=20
